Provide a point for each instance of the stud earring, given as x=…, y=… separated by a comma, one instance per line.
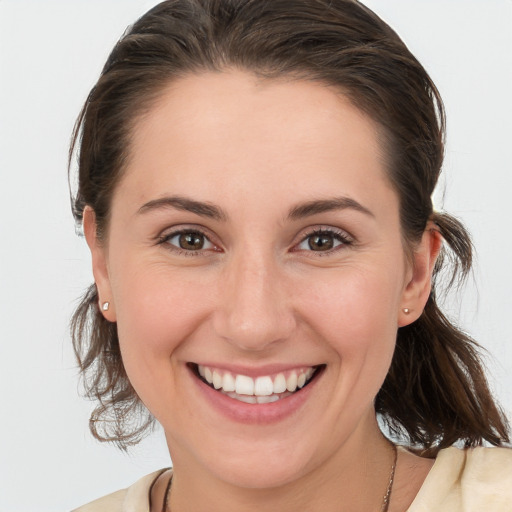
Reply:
x=406, y=310
x=105, y=306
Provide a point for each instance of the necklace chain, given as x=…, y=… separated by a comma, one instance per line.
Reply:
x=387, y=496
x=385, y=501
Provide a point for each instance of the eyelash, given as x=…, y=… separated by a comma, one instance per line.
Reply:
x=340, y=236
x=164, y=239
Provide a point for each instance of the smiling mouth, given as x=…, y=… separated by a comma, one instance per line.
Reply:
x=260, y=390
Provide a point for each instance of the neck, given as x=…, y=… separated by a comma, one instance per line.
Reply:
x=354, y=478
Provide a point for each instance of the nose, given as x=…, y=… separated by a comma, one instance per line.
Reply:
x=254, y=310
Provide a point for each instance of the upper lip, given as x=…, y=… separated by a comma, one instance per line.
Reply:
x=256, y=371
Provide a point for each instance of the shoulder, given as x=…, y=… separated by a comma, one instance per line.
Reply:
x=471, y=480
x=112, y=502
x=479, y=466
x=132, y=499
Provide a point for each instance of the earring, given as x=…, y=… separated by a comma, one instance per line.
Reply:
x=105, y=306
x=406, y=310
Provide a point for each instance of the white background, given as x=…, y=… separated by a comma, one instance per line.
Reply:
x=51, y=52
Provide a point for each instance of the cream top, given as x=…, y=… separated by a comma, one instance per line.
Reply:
x=473, y=480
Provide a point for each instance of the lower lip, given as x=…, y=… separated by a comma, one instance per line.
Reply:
x=256, y=413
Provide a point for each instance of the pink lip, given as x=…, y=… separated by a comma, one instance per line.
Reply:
x=242, y=412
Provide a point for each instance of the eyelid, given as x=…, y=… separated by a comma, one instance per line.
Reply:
x=165, y=235
x=340, y=234
x=168, y=233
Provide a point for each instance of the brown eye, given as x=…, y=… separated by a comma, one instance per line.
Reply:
x=191, y=241
x=321, y=242
x=325, y=240
x=188, y=241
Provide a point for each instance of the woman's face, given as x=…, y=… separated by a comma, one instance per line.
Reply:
x=255, y=239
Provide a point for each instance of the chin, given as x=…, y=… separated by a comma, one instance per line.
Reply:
x=257, y=469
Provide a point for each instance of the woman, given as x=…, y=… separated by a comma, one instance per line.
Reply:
x=255, y=183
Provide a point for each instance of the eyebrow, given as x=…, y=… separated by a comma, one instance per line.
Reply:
x=185, y=204
x=326, y=205
x=212, y=211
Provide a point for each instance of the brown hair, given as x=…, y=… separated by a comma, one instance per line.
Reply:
x=435, y=393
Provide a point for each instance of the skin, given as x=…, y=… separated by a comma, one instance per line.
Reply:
x=258, y=294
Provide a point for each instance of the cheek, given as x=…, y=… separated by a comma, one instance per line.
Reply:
x=355, y=312
x=156, y=312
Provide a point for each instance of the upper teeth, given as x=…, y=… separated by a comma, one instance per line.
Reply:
x=260, y=386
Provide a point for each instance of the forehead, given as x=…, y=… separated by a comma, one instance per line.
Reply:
x=245, y=135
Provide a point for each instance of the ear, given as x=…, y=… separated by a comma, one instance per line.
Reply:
x=99, y=265
x=419, y=285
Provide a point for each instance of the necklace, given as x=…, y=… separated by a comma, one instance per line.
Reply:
x=385, y=501
x=387, y=496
